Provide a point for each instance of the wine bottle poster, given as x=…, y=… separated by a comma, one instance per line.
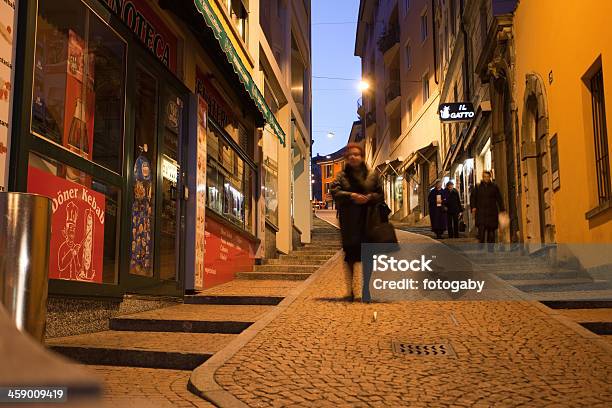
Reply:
x=80, y=97
x=76, y=250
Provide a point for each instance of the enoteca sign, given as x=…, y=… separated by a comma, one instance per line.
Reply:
x=456, y=112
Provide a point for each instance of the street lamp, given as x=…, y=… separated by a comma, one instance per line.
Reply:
x=330, y=134
x=363, y=85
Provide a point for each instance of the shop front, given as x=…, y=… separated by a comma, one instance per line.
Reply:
x=103, y=135
x=131, y=152
x=231, y=183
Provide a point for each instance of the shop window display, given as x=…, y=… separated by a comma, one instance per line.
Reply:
x=229, y=182
x=79, y=82
x=145, y=165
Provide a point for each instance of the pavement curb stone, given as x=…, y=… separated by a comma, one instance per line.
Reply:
x=202, y=380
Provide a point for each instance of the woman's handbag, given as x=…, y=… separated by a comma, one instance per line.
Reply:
x=378, y=228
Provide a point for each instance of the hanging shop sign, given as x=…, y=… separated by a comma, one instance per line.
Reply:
x=8, y=25
x=213, y=22
x=76, y=249
x=149, y=29
x=217, y=109
x=456, y=112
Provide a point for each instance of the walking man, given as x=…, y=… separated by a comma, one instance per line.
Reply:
x=452, y=202
x=486, y=204
x=436, y=210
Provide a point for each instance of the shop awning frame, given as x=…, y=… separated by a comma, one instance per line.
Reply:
x=212, y=21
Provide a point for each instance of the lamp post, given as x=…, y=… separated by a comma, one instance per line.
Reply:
x=363, y=87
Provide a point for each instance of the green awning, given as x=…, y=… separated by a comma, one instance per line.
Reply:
x=213, y=22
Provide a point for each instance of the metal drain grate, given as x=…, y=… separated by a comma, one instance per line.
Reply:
x=438, y=349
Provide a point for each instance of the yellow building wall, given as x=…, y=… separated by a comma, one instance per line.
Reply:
x=567, y=37
x=236, y=42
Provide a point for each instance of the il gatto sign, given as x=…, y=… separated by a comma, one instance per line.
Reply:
x=148, y=27
x=456, y=112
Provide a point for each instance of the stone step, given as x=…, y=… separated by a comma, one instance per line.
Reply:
x=233, y=300
x=244, y=292
x=323, y=244
x=295, y=261
x=285, y=268
x=273, y=275
x=504, y=262
x=588, y=315
x=308, y=252
x=534, y=285
x=293, y=255
x=309, y=247
x=578, y=304
x=519, y=274
x=565, y=285
x=177, y=351
x=573, y=296
x=601, y=328
x=191, y=318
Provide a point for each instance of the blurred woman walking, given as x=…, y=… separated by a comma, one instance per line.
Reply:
x=355, y=189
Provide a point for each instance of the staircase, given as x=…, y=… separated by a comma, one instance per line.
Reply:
x=184, y=336
x=577, y=295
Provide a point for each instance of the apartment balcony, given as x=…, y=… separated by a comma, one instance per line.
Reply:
x=360, y=107
x=389, y=40
x=392, y=96
x=370, y=118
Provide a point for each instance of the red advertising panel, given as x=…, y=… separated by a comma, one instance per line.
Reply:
x=77, y=228
x=226, y=252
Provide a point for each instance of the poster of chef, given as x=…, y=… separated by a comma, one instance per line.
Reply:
x=76, y=249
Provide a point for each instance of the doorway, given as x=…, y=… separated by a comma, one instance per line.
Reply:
x=539, y=208
x=156, y=210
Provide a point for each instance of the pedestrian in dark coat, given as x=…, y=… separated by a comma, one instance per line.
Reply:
x=355, y=189
x=452, y=203
x=486, y=203
x=437, y=216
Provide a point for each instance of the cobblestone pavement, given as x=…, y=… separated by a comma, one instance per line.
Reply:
x=322, y=351
x=146, y=387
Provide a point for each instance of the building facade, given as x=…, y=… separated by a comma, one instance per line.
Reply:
x=284, y=55
x=563, y=109
x=145, y=122
x=502, y=57
x=329, y=167
x=475, y=64
x=396, y=42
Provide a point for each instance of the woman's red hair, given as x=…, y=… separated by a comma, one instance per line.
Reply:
x=354, y=146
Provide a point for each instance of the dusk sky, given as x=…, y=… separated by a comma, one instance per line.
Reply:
x=334, y=102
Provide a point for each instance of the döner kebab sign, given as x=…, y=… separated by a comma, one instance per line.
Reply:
x=456, y=112
x=76, y=249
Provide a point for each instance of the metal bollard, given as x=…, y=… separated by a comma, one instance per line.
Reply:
x=25, y=229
